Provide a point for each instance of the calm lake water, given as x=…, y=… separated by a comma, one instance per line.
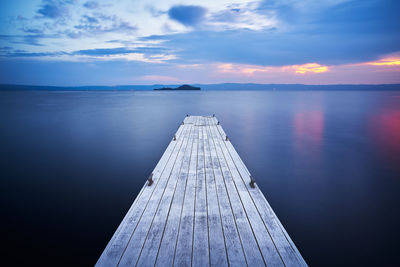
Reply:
x=73, y=162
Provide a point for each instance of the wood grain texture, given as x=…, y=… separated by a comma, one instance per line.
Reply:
x=200, y=210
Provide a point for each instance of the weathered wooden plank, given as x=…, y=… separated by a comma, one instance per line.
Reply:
x=249, y=242
x=184, y=244
x=288, y=251
x=116, y=246
x=218, y=256
x=170, y=204
x=232, y=239
x=200, y=255
x=135, y=245
x=270, y=254
x=190, y=119
x=200, y=210
x=166, y=251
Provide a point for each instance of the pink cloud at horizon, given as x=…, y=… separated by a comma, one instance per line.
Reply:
x=382, y=71
x=385, y=70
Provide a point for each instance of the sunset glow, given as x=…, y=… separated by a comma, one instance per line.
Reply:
x=309, y=68
x=250, y=70
x=228, y=41
x=386, y=62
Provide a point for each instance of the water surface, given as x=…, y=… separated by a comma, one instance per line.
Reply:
x=73, y=162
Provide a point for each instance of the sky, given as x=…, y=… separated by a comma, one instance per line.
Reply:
x=73, y=42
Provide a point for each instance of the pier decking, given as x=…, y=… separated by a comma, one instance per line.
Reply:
x=200, y=207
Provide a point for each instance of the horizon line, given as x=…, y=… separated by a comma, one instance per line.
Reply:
x=204, y=84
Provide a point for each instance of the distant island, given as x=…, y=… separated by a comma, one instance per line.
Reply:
x=182, y=87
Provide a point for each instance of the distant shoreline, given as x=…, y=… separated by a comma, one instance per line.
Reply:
x=210, y=87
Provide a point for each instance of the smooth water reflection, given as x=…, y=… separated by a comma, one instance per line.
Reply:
x=73, y=162
x=308, y=131
x=385, y=129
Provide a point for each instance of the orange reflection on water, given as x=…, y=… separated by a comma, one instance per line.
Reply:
x=308, y=130
x=385, y=127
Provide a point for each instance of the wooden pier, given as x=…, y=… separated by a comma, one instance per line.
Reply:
x=200, y=207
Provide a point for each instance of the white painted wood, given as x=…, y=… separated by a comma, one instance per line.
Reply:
x=167, y=211
x=183, y=251
x=200, y=210
x=134, y=247
x=288, y=251
x=232, y=239
x=200, y=256
x=116, y=246
x=249, y=242
x=166, y=251
x=265, y=243
x=190, y=119
x=218, y=256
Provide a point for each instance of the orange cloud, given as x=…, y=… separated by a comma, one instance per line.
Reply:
x=227, y=67
x=385, y=62
x=384, y=70
x=250, y=70
x=244, y=69
x=308, y=68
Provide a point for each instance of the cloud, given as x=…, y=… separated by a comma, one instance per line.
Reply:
x=251, y=70
x=32, y=31
x=160, y=78
x=140, y=53
x=187, y=15
x=54, y=9
x=334, y=32
x=310, y=73
x=255, y=34
x=121, y=51
x=386, y=62
x=111, y=72
x=91, y=5
x=29, y=39
x=7, y=48
x=32, y=39
x=308, y=68
x=99, y=23
x=154, y=11
x=289, y=32
x=89, y=19
x=241, y=16
x=25, y=54
x=145, y=54
x=389, y=62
